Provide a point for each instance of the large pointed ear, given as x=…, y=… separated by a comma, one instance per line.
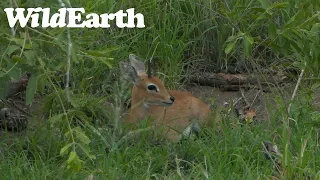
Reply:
x=137, y=63
x=129, y=73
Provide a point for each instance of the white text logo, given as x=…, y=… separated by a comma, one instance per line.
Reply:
x=73, y=18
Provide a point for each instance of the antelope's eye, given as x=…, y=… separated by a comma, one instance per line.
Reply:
x=152, y=87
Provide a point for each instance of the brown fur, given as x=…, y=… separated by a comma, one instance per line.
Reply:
x=174, y=119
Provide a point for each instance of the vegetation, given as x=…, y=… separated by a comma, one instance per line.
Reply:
x=80, y=134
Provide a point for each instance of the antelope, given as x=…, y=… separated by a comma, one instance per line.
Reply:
x=178, y=113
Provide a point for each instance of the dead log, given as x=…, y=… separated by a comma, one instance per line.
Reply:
x=12, y=121
x=235, y=81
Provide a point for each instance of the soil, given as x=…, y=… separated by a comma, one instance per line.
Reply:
x=264, y=105
x=217, y=97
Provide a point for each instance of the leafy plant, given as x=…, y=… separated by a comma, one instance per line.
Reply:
x=82, y=134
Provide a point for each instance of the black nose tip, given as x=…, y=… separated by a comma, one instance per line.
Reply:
x=172, y=98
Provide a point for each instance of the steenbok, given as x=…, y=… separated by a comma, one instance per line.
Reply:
x=176, y=113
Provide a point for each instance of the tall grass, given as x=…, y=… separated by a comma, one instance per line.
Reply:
x=83, y=136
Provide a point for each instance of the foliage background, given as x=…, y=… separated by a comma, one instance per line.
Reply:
x=184, y=35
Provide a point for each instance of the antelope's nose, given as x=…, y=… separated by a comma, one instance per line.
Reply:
x=172, y=98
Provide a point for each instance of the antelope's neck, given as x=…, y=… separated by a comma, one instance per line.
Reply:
x=139, y=110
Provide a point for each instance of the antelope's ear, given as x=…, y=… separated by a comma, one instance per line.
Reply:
x=137, y=63
x=129, y=73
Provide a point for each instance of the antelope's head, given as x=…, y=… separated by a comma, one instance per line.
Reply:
x=147, y=86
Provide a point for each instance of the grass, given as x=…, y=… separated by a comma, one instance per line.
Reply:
x=235, y=153
x=83, y=137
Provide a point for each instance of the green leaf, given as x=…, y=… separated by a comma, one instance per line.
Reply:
x=42, y=82
x=31, y=89
x=74, y=51
x=299, y=65
x=230, y=47
x=16, y=58
x=17, y=41
x=247, y=46
x=81, y=135
x=28, y=46
x=21, y=43
x=294, y=19
x=2, y=74
x=96, y=53
x=65, y=148
x=250, y=39
x=315, y=28
x=74, y=161
x=265, y=15
x=105, y=61
x=30, y=57
x=240, y=34
x=281, y=5
x=11, y=49
x=108, y=50
x=265, y=3
x=85, y=148
x=72, y=156
x=14, y=72
x=275, y=47
x=284, y=44
x=257, y=9
x=56, y=118
x=272, y=31
x=249, y=120
x=269, y=11
x=74, y=100
x=4, y=87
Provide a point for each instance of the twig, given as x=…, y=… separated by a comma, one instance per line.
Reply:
x=296, y=88
x=62, y=4
x=292, y=98
x=244, y=98
x=255, y=98
x=227, y=5
x=237, y=101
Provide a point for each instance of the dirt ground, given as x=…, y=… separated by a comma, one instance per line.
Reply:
x=262, y=102
x=218, y=97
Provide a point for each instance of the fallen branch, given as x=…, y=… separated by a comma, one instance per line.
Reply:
x=235, y=81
